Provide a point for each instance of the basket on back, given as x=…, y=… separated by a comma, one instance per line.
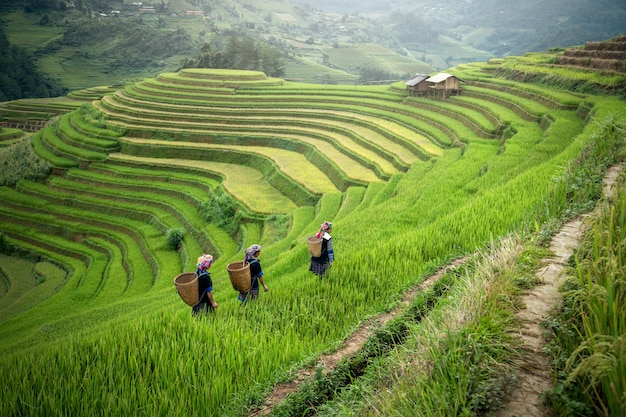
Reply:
x=187, y=286
x=315, y=246
x=239, y=273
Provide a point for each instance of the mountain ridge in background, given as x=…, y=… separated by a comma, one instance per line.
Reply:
x=329, y=42
x=514, y=27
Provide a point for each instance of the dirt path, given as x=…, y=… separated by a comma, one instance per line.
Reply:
x=535, y=370
x=351, y=345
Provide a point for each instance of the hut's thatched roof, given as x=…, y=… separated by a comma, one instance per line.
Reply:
x=416, y=80
x=442, y=76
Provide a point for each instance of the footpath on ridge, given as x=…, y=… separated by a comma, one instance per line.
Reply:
x=352, y=344
x=535, y=369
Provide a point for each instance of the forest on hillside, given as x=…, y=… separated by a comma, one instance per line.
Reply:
x=117, y=41
x=19, y=77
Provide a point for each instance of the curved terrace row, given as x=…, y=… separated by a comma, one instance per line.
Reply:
x=484, y=123
x=348, y=138
x=122, y=180
x=382, y=105
x=138, y=175
x=350, y=110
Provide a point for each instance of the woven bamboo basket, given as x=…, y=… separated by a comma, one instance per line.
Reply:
x=315, y=246
x=187, y=287
x=239, y=273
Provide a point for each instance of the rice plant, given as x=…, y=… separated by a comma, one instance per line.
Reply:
x=590, y=326
x=96, y=343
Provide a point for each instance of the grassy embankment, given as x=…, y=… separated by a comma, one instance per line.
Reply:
x=436, y=189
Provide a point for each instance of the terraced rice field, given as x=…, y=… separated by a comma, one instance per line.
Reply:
x=409, y=184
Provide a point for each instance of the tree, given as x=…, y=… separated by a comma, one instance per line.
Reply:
x=271, y=61
x=240, y=52
x=369, y=73
x=409, y=26
x=19, y=77
x=175, y=237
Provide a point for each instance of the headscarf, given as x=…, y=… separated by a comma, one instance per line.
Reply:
x=325, y=227
x=204, y=261
x=251, y=251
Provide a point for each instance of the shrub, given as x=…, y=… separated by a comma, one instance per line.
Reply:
x=221, y=210
x=19, y=161
x=92, y=115
x=175, y=237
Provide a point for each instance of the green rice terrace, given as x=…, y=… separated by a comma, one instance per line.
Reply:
x=90, y=319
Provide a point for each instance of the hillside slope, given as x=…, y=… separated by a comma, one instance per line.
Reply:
x=337, y=42
x=232, y=158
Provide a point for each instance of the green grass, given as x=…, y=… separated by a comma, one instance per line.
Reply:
x=341, y=129
x=303, y=69
x=23, y=30
x=39, y=145
x=358, y=55
x=459, y=356
x=28, y=283
x=9, y=133
x=587, y=349
x=567, y=73
x=389, y=236
x=237, y=179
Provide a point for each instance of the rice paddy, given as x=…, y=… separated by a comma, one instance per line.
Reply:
x=408, y=188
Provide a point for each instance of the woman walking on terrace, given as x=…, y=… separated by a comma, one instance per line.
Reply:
x=320, y=264
x=205, y=289
x=256, y=274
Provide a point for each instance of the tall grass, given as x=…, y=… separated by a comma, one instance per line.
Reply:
x=580, y=185
x=591, y=328
x=454, y=361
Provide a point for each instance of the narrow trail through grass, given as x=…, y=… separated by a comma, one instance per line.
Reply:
x=352, y=344
x=535, y=368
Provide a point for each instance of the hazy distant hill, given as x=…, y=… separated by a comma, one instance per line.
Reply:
x=502, y=27
x=98, y=42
